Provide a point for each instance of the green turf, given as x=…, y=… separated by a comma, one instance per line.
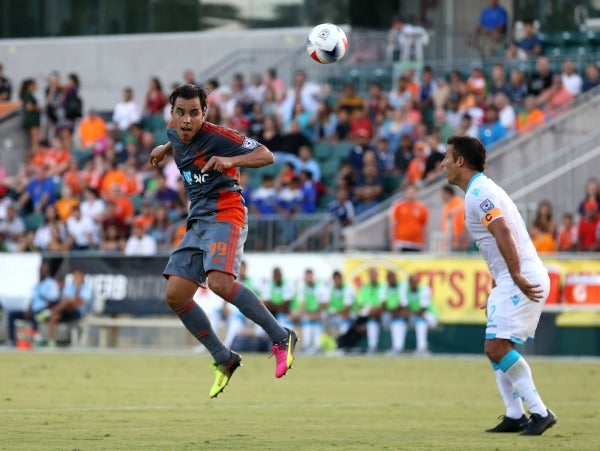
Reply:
x=104, y=401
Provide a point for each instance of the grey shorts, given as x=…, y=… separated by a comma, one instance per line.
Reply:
x=208, y=246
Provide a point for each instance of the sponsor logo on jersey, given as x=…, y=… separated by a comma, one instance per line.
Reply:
x=486, y=205
x=190, y=178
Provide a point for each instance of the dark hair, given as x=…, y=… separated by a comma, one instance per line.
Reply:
x=308, y=174
x=188, y=92
x=448, y=189
x=157, y=82
x=25, y=85
x=471, y=149
x=74, y=78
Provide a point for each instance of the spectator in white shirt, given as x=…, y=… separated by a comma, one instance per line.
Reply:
x=82, y=230
x=571, y=80
x=506, y=113
x=93, y=207
x=140, y=243
x=12, y=229
x=126, y=112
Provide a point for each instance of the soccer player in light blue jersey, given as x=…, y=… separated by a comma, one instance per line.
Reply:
x=520, y=283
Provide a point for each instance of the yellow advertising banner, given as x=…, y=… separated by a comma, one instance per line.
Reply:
x=460, y=286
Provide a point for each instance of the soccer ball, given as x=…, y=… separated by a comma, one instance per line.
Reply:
x=326, y=43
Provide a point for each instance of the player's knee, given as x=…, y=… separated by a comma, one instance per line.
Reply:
x=220, y=283
x=494, y=350
x=174, y=299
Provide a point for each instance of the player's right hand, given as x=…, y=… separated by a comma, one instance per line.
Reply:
x=533, y=291
x=157, y=155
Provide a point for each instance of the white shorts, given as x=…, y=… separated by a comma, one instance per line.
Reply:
x=511, y=314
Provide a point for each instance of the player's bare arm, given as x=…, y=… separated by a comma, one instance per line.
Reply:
x=508, y=248
x=259, y=157
x=159, y=153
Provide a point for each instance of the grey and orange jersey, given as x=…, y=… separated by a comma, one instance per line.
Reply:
x=214, y=196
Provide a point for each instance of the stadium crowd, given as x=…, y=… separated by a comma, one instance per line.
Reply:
x=87, y=183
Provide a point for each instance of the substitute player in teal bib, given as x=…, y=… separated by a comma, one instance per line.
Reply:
x=369, y=304
x=339, y=306
x=279, y=295
x=210, y=253
x=391, y=293
x=313, y=303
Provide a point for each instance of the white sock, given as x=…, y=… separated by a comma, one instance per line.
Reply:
x=306, y=335
x=372, y=334
x=317, y=335
x=511, y=399
x=398, y=330
x=234, y=327
x=421, y=333
x=517, y=370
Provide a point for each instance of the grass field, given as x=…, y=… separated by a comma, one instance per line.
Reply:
x=69, y=401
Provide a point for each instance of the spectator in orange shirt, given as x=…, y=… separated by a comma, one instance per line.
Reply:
x=544, y=219
x=453, y=219
x=542, y=240
x=114, y=176
x=57, y=157
x=567, y=234
x=54, y=158
x=555, y=96
x=407, y=222
x=92, y=132
x=543, y=228
x=412, y=85
x=124, y=208
x=416, y=166
x=133, y=185
x=73, y=177
x=146, y=216
x=531, y=117
x=66, y=203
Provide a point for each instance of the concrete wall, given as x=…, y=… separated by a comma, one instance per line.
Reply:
x=106, y=64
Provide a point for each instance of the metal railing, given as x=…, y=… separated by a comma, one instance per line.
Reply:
x=300, y=232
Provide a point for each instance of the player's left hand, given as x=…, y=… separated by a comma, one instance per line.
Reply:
x=533, y=291
x=217, y=164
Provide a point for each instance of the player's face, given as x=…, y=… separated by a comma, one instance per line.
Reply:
x=188, y=117
x=450, y=166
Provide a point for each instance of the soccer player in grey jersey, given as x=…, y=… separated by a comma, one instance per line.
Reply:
x=210, y=253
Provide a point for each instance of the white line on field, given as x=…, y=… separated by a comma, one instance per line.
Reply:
x=188, y=407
